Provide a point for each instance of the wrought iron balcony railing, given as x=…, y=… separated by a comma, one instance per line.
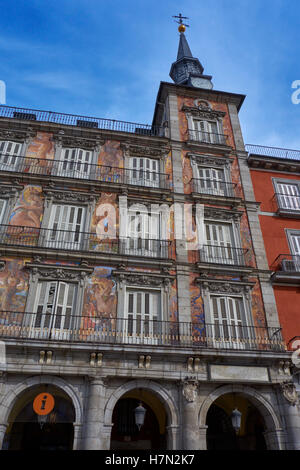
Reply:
x=82, y=170
x=82, y=241
x=223, y=255
x=213, y=187
x=287, y=264
x=207, y=137
x=274, y=152
x=142, y=331
x=80, y=121
x=288, y=203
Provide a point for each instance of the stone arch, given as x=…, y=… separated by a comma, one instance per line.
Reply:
x=157, y=389
x=272, y=421
x=12, y=396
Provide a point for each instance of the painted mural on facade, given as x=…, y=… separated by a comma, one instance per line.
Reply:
x=100, y=300
x=110, y=161
x=28, y=210
x=13, y=286
x=105, y=224
x=42, y=146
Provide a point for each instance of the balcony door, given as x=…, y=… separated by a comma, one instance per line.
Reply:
x=142, y=315
x=54, y=307
x=144, y=172
x=229, y=324
x=210, y=181
x=75, y=163
x=144, y=234
x=65, y=227
x=289, y=196
x=219, y=244
x=9, y=153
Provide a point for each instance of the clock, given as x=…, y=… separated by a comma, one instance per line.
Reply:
x=201, y=82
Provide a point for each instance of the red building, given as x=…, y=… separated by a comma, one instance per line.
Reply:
x=275, y=176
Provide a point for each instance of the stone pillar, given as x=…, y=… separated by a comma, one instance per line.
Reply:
x=3, y=428
x=190, y=429
x=274, y=439
x=203, y=437
x=172, y=437
x=291, y=412
x=77, y=436
x=94, y=415
x=106, y=436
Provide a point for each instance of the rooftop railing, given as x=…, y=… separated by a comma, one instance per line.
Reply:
x=80, y=121
x=141, y=331
x=82, y=170
x=207, y=137
x=274, y=152
x=66, y=240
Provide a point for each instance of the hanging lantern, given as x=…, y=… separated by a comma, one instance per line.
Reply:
x=236, y=418
x=139, y=415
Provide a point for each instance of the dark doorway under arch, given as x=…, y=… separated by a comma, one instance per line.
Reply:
x=27, y=432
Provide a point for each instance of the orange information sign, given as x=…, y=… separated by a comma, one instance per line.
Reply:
x=43, y=404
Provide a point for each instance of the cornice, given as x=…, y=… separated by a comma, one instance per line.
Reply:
x=144, y=150
x=17, y=135
x=201, y=112
x=65, y=139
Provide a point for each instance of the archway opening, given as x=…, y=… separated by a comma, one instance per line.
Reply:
x=126, y=434
x=28, y=430
x=221, y=434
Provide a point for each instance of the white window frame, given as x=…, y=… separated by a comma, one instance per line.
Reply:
x=10, y=160
x=294, y=263
x=288, y=202
x=77, y=165
x=65, y=238
x=219, y=253
x=140, y=172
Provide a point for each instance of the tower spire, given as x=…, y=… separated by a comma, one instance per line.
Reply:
x=187, y=70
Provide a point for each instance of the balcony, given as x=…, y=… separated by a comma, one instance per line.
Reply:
x=286, y=269
x=288, y=205
x=275, y=158
x=80, y=121
x=228, y=255
x=207, y=137
x=213, y=188
x=53, y=240
x=83, y=171
x=129, y=331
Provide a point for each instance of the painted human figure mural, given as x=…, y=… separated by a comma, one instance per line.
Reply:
x=28, y=209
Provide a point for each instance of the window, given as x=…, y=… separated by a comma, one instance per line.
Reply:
x=219, y=244
x=288, y=195
x=3, y=203
x=293, y=264
x=144, y=235
x=142, y=315
x=9, y=152
x=66, y=225
x=75, y=163
x=206, y=131
x=144, y=172
x=229, y=321
x=210, y=181
x=54, y=305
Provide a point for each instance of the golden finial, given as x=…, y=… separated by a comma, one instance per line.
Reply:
x=182, y=26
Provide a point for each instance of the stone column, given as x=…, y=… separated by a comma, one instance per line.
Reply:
x=77, y=436
x=203, y=439
x=106, y=436
x=3, y=428
x=190, y=429
x=274, y=439
x=94, y=414
x=291, y=412
x=172, y=437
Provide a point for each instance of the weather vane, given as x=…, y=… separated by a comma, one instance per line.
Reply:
x=182, y=26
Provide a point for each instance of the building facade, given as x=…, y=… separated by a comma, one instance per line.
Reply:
x=111, y=298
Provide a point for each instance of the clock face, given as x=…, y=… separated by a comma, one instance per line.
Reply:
x=201, y=83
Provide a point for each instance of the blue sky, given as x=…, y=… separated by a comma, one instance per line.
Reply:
x=106, y=58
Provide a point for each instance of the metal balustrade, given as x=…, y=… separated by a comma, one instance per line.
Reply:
x=82, y=170
x=287, y=263
x=288, y=203
x=213, y=187
x=274, y=152
x=82, y=241
x=223, y=255
x=80, y=121
x=207, y=137
x=102, y=329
